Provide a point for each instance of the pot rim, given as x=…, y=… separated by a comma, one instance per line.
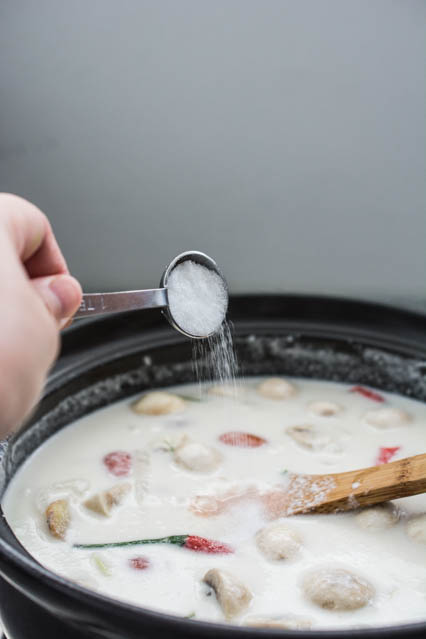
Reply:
x=23, y=561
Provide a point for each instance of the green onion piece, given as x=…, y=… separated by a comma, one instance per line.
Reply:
x=177, y=540
x=101, y=565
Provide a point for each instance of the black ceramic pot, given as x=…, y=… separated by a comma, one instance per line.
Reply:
x=111, y=358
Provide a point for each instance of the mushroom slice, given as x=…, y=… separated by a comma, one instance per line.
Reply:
x=278, y=541
x=284, y=622
x=325, y=408
x=387, y=417
x=337, y=589
x=416, y=528
x=103, y=502
x=309, y=437
x=377, y=517
x=232, y=595
x=58, y=518
x=276, y=388
x=195, y=456
x=159, y=403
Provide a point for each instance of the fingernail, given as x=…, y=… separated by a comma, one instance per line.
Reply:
x=63, y=289
x=57, y=299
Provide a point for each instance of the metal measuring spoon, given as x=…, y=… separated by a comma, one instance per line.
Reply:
x=103, y=303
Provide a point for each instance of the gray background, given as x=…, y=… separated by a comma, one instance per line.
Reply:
x=285, y=138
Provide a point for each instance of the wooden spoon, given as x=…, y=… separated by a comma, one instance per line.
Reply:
x=346, y=491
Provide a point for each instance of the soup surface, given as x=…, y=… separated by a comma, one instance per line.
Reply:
x=206, y=466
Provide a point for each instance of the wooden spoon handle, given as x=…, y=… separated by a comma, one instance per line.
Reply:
x=365, y=487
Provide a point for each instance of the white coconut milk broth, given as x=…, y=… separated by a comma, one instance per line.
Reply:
x=69, y=465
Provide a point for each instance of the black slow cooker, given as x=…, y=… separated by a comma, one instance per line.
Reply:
x=108, y=359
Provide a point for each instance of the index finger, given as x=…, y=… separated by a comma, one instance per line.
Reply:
x=32, y=236
x=48, y=258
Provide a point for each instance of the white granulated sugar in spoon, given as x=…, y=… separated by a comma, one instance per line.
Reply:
x=198, y=298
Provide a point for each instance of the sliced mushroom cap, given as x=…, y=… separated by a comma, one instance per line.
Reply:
x=284, y=622
x=416, y=528
x=159, y=403
x=337, y=589
x=377, y=517
x=233, y=596
x=58, y=518
x=104, y=502
x=278, y=541
x=309, y=437
x=195, y=456
x=276, y=388
x=387, y=417
x=325, y=408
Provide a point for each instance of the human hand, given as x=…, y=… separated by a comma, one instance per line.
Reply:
x=38, y=297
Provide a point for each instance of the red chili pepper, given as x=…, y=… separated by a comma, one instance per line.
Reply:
x=366, y=392
x=139, y=563
x=201, y=544
x=118, y=463
x=245, y=440
x=386, y=453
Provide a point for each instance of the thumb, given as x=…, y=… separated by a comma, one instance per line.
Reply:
x=61, y=294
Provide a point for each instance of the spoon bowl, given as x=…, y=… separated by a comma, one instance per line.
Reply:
x=94, y=304
x=198, y=258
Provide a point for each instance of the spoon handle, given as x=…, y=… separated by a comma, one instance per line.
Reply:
x=378, y=484
x=102, y=303
x=365, y=487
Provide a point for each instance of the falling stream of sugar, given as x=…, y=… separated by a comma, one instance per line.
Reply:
x=214, y=358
